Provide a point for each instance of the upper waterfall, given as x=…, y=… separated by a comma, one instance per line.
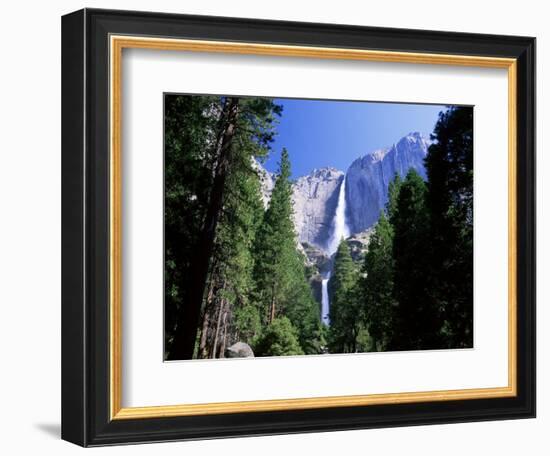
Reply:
x=327, y=207
x=340, y=228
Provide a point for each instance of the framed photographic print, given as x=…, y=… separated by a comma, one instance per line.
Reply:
x=277, y=227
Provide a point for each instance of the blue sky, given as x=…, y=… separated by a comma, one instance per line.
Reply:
x=320, y=133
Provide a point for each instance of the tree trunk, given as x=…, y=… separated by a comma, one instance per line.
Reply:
x=272, y=305
x=187, y=328
x=204, y=333
x=218, y=324
x=203, y=349
x=222, y=348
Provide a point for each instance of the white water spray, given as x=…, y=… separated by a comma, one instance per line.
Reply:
x=340, y=229
x=325, y=308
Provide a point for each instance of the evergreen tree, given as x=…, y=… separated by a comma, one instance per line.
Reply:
x=275, y=249
x=228, y=314
x=281, y=284
x=232, y=267
x=302, y=309
x=233, y=272
x=417, y=318
x=377, y=284
x=393, y=193
x=344, y=306
x=236, y=130
x=278, y=339
x=188, y=157
x=449, y=166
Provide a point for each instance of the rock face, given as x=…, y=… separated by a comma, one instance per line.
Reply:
x=358, y=244
x=368, y=178
x=267, y=181
x=315, y=197
x=239, y=350
x=316, y=257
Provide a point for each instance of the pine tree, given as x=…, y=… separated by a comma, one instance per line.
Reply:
x=417, y=318
x=275, y=248
x=237, y=130
x=281, y=284
x=188, y=170
x=393, y=193
x=229, y=314
x=344, y=306
x=377, y=284
x=184, y=344
x=377, y=287
x=449, y=166
x=229, y=311
x=280, y=338
x=302, y=309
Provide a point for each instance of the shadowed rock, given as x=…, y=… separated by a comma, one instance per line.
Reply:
x=315, y=197
x=239, y=350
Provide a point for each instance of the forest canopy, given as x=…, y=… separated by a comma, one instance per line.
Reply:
x=235, y=272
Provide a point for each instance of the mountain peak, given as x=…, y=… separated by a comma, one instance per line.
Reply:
x=414, y=137
x=368, y=177
x=315, y=195
x=325, y=173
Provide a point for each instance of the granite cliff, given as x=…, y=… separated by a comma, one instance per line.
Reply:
x=315, y=196
x=368, y=177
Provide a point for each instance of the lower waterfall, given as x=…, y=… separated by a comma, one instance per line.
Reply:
x=325, y=308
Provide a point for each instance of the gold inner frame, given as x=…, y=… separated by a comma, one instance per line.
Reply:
x=117, y=44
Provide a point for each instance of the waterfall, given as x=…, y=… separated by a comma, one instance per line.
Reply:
x=325, y=318
x=340, y=227
x=339, y=230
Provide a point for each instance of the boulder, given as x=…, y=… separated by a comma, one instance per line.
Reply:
x=239, y=350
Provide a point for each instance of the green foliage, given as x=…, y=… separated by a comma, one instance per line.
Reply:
x=282, y=287
x=232, y=260
x=393, y=194
x=418, y=283
x=247, y=323
x=275, y=247
x=364, y=341
x=279, y=338
x=188, y=156
x=194, y=128
x=449, y=166
x=414, y=290
x=243, y=213
x=302, y=309
x=417, y=319
x=344, y=302
x=377, y=284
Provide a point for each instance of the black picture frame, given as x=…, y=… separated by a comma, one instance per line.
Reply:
x=86, y=418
